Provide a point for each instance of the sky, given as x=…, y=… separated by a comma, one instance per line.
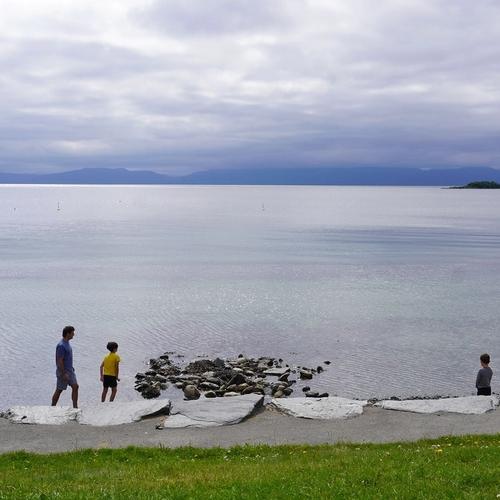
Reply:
x=178, y=86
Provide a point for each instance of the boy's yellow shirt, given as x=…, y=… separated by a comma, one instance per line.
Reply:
x=110, y=364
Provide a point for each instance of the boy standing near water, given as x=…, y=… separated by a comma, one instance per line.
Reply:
x=110, y=370
x=483, y=379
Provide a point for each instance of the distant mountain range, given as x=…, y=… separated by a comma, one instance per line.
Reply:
x=343, y=176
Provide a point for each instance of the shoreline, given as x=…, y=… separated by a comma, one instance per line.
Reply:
x=266, y=426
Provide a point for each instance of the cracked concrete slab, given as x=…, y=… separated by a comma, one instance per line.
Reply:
x=319, y=408
x=467, y=405
x=211, y=412
x=126, y=412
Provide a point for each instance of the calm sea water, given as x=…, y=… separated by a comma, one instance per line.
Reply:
x=398, y=287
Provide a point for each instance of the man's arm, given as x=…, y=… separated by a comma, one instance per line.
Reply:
x=117, y=370
x=100, y=371
x=478, y=378
x=60, y=366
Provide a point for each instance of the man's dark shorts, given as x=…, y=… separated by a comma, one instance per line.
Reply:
x=62, y=383
x=109, y=381
x=484, y=391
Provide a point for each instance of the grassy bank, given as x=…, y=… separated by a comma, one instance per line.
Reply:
x=444, y=468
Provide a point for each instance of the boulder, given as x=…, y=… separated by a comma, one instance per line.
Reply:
x=191, y=392
x=209, y=386
x=200, y=366
x=324, y=408
x=237, y=379
x=219, y=363
x=213, y=380
x=211, y=412
x=312, y=394
x=468, y=405
x=306, y=375
x=277, y=371
x=151, y=392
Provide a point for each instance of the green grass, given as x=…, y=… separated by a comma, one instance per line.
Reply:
x=466, y=467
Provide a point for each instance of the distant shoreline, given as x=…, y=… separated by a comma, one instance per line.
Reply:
x=313, y=176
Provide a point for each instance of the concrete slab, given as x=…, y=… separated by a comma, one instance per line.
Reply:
x=319, y=408
x=213, y=412
x=103, y=414
x=468, y=405
x=48, y=415
x=121, y=412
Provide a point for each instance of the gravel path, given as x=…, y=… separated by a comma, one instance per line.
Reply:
x=266, y=427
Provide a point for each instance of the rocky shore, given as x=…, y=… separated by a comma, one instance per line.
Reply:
x=220, y=377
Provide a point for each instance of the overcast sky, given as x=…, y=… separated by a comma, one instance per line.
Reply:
x=182, y=85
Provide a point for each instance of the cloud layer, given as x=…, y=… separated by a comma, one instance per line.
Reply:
x=183, y=85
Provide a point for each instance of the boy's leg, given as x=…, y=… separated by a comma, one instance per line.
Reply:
x=484, y=391
x=113, y=393
x=74, y=395
x=104, y=394
x=55, y=397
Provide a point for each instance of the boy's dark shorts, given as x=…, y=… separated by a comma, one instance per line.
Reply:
x=109, y=381
x=484, y=391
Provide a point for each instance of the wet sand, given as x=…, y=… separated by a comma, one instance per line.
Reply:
x=265, y=427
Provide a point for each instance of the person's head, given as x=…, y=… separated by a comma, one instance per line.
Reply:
x=68, y=332
x=485, y=359
x=112, y=347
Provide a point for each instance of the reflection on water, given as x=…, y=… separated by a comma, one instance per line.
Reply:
x=396, y=286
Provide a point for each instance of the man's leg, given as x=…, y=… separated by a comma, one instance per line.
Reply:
x=55, y=397
x=74, y=395
x=113, y=393
x=103, y=395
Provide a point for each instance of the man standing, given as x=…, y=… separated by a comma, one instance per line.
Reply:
x=65, y=372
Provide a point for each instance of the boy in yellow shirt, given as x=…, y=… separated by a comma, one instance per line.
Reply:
x=110, y=370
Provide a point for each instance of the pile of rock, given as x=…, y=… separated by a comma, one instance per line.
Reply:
x=152, y=382
x=224, y=377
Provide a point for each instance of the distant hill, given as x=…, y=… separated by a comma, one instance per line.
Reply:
x=89, y=176
x=344, y=176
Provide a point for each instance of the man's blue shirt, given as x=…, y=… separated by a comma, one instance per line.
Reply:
x=64, y=350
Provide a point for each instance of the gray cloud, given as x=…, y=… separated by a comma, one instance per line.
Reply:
x=215, y=17
x=179, y=85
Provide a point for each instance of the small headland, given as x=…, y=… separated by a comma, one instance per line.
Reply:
x=478, y=185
